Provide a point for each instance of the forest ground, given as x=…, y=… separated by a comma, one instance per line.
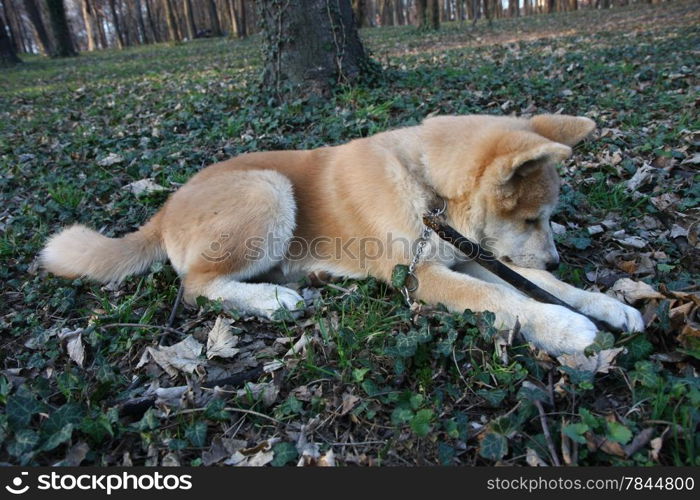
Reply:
x=369, y=383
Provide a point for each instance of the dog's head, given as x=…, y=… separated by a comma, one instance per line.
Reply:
x=499, y=178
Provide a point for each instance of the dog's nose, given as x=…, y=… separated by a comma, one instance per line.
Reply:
x=552, y=265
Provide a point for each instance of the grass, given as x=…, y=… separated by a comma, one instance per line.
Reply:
x=376, y=383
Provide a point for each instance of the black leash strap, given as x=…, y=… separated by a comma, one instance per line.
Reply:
x=487, y=260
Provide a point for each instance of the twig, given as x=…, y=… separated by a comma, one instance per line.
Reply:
x=171, y=318
x=547, y=435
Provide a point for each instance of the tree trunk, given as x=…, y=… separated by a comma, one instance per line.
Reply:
x=214, y=15
x=400, y=20
x=362, y=13
x=42, y=35
x=421, y=10
x=189, y=20
x=151, y=22
x=233, y=14
x=434, y=8
x=143, y=33
x=118, y=36
x=8, y=56
x=59, y=25
x=313, y=43
x=170, y=20
x=90, y=28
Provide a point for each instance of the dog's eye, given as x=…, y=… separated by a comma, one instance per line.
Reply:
x=531, y=222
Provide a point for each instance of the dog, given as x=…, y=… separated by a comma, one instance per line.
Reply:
x=239, y=227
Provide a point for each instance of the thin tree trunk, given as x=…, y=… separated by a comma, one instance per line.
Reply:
x=90, y=28
x=233, y=15
x=143, y=34
x=15, y=22
x=8, y=55
x=151, y=23
x=42, y=36
x=118, y=36
x=189, y=20
x=59, y=26
x=171, y=21
x=242, y=20
x=434, y=7
x=400, y=20
x=214, y=15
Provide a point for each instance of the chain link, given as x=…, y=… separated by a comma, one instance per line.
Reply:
x=411, y=283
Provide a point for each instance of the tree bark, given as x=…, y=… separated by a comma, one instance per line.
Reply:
x=42, y=36
x=434, y=8
x=61, y=32
x=8, y=55
x=119, y=37
x=313, y=43
x=143, y=33
x=233, y=17
x=151, y=22
x=90, y=28
x=170, y=20
x=189, y=20
x=214, y=16
x=243, y=30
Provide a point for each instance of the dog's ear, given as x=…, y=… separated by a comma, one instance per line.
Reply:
x=569, y=130
x=525, y=152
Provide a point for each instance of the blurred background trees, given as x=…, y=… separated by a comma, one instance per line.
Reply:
x=59, y=28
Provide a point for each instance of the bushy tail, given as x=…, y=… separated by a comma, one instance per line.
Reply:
x=80, y=251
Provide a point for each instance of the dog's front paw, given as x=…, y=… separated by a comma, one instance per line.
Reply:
x=613, y=312
x=272, y=299
x=558, y=330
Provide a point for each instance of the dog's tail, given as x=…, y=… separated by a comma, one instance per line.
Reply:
x=79, y=251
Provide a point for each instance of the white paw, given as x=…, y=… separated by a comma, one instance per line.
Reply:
x=613, y=312
x=557, y=330
x=272, y=298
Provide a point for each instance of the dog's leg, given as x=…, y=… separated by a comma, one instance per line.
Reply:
x=594, y=304
x=260, y=299
x=229, y=228
x=553, y=328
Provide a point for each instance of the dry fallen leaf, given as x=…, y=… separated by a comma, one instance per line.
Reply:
x=631, y=291
x=221, y=342
x=349, y=401
x=74, y=344
x=143, y=187
x=533, y=459
x=595, y=443
x=110, y=159
x=599, y=362
x=183, y=356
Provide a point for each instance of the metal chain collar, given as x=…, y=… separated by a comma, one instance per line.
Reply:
x=411, y=283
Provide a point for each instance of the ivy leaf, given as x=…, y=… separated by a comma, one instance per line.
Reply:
x=20, y=408
x=58, y=438
x=284, y=453
x=399, y=275
x=196, y=433
x=576, y=432
x=68, y=414
x=25, y=441
x=493, y=446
